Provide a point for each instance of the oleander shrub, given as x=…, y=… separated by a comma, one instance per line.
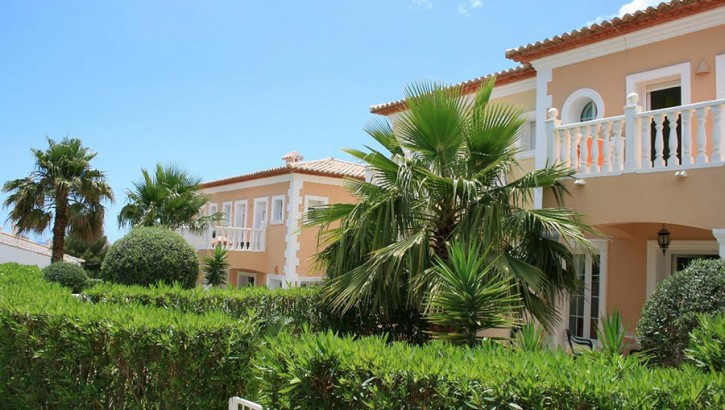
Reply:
x=296, y=305
x=67, y=274
x=671, y=312
x=707, y=343
x=146, y=256
x=331, y=372
x=58, y=351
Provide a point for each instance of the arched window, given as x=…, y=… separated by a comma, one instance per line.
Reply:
x=583, y=104
x=589, y=112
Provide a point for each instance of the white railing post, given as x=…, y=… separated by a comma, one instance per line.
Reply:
x=618, y=145
x=583, y=150
x=594, y=132
x=717, y=137
x=701, y=137
x=554, y=147
x=659, y=158
x=686, y=135
x=607, y=147
x=672, y=142
x=633, y=155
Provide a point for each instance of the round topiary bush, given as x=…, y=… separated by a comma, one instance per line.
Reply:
x=67, y=274
x=149, y=255
x=671, y=312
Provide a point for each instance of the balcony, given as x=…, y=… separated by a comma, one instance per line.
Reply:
x=228, y=237
x=640, y=141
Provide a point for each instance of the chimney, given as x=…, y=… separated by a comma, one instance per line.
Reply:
x=292, y=157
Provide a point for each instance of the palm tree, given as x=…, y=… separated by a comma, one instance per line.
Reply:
x=170, y=197
x=63, y=190
x=446, y=175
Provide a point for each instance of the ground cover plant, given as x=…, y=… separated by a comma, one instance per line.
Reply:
x=146, y=256
x=58, y=351
x=670, y=314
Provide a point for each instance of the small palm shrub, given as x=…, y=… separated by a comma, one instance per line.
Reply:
x=530, y=338
x=149, y=255
x=67, y=274
x=671, y=312
x=215, y=267
x=611, y=336
x=707, y=343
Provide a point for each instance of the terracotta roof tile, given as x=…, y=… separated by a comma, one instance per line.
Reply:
x=641, y=19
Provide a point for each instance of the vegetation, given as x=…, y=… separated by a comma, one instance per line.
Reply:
x=67, y=274
x=169, y=197
x=146, y=256
x=63, y=192
x=448, y=174
x=469, y=295
x=59, y=352
x=670, y=314
x=92, y=252
x=707, y=343
x=215, y=267
x=529, y=338
x=611, y=335
x=326, y=371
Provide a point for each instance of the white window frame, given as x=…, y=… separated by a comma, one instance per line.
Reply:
x=525, y=132
x=213, y=208
x=273, y=216
x=246, y=274
x=644, y=82
x=308, y=198
x=275, y=278
x=309, y=280
x=720, y=76
x=236, y=214
x=227, y=219
x=575, y=103
x=602, y=245
x=656, y=262
x=265, y=221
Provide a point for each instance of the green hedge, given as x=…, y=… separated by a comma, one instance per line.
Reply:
x=297, y=305
x=57, y=351
x=325, y=371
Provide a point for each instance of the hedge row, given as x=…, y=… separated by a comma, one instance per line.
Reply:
x=326, y=371
x=57, y=351
x=296, y=305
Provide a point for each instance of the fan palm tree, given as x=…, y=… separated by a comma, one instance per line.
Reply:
x=169, y=197
x=446, y=175
x=64, y=191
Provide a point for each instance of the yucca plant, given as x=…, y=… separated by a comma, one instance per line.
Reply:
x=707, y=343
x=611, y=335
x=529, y=338
x=215, y=267
x=469, y=295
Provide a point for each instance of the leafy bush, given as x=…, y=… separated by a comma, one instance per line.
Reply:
x=707, y=343
x=299, y=305
x=57, y=351
x=67, y=274
x=326, y=371
x=671, y=312
x=149, y=255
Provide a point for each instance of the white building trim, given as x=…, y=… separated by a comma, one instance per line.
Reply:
x=639, y=82
x=720, y=76
x=544, y=101
x=658, y=263
x=575, y=102
x=249, y=184
x=292, y=242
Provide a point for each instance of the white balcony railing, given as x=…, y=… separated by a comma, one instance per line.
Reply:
x=228, y=237
x=640, y=141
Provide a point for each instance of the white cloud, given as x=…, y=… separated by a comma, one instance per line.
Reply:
x=465, y=9
x=627, y=8
x=422, y=4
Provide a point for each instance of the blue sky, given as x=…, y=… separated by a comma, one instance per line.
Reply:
x=228, y=87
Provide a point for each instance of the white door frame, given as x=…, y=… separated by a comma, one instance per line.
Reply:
x=656, y=262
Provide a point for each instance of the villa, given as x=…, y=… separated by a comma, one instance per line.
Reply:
x=263, y=214
x=635, y=105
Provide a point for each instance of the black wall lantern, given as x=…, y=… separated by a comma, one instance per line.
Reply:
x=663, y=239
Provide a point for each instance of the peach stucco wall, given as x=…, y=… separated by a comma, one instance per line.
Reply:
x=607, y=74
x=308, y=236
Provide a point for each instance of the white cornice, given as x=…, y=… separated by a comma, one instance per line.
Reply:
x=249, y=184
x=676, y=28
x=521, y=86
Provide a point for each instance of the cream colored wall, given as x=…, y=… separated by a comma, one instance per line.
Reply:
x=272, y=260
x=526, y=99
x=308, y=236
x=607, y=74
x=657, y=197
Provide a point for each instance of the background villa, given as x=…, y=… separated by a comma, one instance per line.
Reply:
x=263, y=214
x=604, y=100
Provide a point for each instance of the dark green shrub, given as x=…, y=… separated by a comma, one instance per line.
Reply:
x=149, y=255
x=671, y=312
x=59, y=352
x=326, y=371
x=67, y=274
x=707, y=343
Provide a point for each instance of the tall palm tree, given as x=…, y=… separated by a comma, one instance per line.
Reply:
x=63, y=190
x=446, y=175
x=169, y=197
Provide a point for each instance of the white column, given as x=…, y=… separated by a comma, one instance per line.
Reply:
x=719, y=234
x=543, y=102
x=632, y=150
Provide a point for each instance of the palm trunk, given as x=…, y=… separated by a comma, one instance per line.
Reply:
x=59, y=224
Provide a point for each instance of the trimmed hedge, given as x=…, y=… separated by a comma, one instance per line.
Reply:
x=670, y=314
x=57, y=351
x=146, y=256
x=297, y=305
x=67, y=274
x=326, y=371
